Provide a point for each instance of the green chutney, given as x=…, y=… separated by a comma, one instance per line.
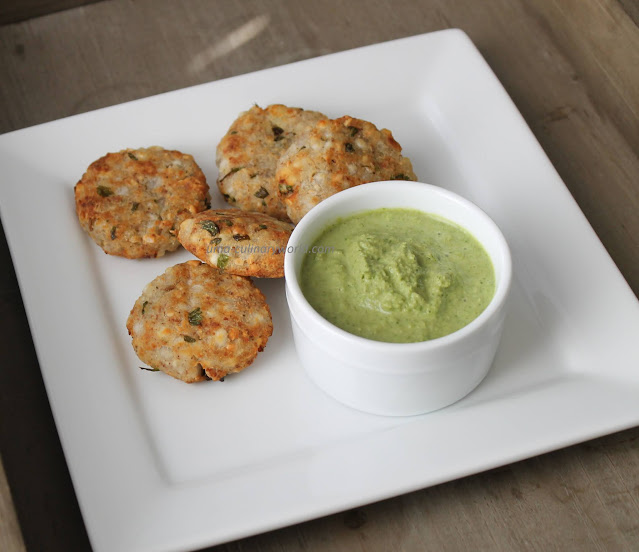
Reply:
x=397, y=275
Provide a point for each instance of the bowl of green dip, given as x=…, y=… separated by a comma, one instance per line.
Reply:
x=396, y=292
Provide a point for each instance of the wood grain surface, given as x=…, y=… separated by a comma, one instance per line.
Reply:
x=571, y=67
x=12, y=11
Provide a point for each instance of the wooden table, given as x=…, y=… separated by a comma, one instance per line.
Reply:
x=572, y=68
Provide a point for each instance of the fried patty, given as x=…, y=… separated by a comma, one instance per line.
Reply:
x=132, y=202
x=247, y=156
x=238, y=242
x=195, y=322
x=335, y=155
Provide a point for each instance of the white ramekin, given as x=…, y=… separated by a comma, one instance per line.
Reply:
x=396, y=379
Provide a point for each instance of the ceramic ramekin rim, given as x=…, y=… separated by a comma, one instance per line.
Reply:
x=494, y=307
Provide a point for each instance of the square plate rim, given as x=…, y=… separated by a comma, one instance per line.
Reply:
x=154, y=491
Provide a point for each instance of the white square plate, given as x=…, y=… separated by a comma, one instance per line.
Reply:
x=160, y=465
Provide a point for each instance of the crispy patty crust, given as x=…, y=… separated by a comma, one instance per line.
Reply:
x=195, y=322
x=335, y=155
x=247, y=155
x=132, y=202
x=238, y=242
